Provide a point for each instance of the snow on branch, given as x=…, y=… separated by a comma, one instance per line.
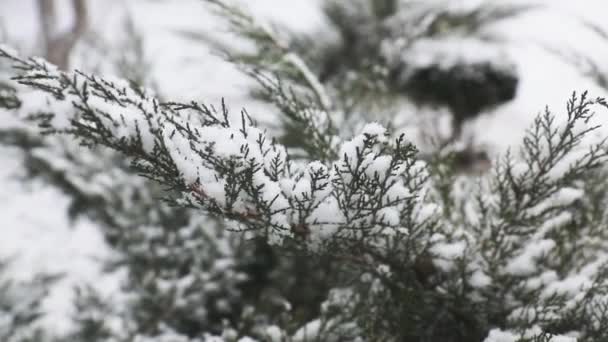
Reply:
x=520, y=247
x=319, y=136
x=231, y=168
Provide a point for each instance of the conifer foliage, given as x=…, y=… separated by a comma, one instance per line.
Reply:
x=20, y=307
x=344, y=234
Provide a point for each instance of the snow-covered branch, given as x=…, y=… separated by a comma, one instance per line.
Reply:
x=231, y=167
x=520, y=246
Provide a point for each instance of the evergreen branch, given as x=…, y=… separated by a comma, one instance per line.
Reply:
x=245, y=25
x=274, y=56
x=249, y=179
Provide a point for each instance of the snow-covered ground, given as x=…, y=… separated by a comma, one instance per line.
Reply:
x=34, y=225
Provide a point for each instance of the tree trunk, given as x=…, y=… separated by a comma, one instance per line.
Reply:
x=58, y=46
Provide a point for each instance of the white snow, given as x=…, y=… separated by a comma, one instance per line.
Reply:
x=310, y=331
x=274, y=333
x=525, y=263
x=498, y=335
x=390, y=216
x=34, y=221
x=501, y=336
x=480, y=280
x=449, y=51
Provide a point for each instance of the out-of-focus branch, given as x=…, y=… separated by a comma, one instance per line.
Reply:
x=58, y=46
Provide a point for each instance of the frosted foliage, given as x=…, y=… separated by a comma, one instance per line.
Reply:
x=234, y=167
x=274, y=333
x=525, y=263
x=507, y=336
x=9, y=51
x=501, y=336
x=430, y=244
x=19, y=307
x=310, y=331
x=246, y=339
x=166, y=337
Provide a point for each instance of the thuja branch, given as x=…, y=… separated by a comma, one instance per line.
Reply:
x=228, y=166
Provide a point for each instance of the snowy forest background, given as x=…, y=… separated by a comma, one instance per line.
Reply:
x=62, y=207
